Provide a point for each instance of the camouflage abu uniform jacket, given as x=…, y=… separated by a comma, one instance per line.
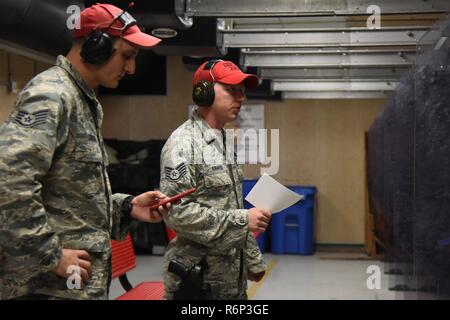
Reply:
x=211, y=221
x=54, y=188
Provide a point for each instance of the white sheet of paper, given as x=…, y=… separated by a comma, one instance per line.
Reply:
x=271, y=195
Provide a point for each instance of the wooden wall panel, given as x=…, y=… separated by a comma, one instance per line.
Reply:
x=153, y=117
x=22, y=70
x=322, y=144
x=321, y=141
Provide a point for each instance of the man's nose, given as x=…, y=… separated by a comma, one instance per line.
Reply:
x=130, y=67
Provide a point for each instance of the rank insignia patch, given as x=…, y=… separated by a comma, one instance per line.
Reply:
x=175, y=174
x=30, y=120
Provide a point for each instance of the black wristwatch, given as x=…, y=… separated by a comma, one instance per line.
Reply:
x=127, y=206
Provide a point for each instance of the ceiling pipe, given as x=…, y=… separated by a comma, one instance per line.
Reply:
x=37, y=25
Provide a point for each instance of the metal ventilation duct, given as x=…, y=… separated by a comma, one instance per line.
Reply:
x=154, y=14
x=36, y=24
x=190, y=37
x=255, y=8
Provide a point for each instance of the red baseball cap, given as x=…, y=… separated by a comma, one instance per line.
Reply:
x=225, y=72
x=100, y=16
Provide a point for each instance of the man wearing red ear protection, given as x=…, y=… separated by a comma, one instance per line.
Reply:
x=215, y=251
x=57, y=211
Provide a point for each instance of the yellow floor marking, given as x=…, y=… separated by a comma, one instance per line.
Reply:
x=255, y=285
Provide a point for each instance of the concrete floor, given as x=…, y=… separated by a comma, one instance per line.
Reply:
x=292, y=277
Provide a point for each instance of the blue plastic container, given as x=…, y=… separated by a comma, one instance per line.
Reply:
x=261, y=241
x=292, y=229
x=247, y=185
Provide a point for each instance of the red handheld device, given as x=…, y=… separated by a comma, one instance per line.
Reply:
x=175, y=198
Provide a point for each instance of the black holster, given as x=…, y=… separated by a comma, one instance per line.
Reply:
x=191, y=286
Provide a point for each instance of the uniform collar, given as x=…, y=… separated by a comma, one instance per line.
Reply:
x=65, y=64
x=207, y=132
x=62, y=62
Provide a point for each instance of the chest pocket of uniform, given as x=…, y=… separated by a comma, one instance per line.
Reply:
x=87, y=149
x=218, y=181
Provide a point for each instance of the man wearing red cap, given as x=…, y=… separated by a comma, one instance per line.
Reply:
x=214, y=252
x=57, y=212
